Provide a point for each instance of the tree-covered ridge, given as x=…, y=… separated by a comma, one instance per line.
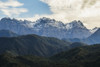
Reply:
x=35, y=45
x=86, y=56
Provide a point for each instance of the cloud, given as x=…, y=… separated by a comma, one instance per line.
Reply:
x=12, y=7
x=13, y=11
x=87, y=11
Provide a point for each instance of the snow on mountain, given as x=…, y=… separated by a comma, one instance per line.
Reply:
x=75, y=24
x=94, y=30
x=50, y=28
x=76, y=29
x=19, y=27
x=46, y=27
x=49, y=22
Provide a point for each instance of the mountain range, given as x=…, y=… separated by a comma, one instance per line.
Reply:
x=46, y=27
x=48, y=43
x=74, y=31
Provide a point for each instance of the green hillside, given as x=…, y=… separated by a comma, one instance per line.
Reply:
x=86, y=56
x=33, y=45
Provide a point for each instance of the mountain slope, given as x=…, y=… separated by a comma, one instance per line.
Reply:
x=87, y=56
x=76, y=29
x=94, y=30
x=50, y=28
x=78, y=53
x=95, y=38
x=7, y=33
x=16, y=26
x=77, y=44
x=33, y=45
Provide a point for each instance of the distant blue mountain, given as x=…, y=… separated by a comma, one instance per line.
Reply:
x=93, y=39
x=7, y=33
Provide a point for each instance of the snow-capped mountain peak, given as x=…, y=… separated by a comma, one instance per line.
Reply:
x=94, y=30
x=75, y=24
x=44, y=22
x=76, y=28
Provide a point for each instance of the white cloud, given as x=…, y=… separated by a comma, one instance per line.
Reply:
x=68, y=10
x=87, y=11
x=12, y=7
x=13, y=11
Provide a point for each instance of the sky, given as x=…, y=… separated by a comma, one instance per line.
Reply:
x=88, y=11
